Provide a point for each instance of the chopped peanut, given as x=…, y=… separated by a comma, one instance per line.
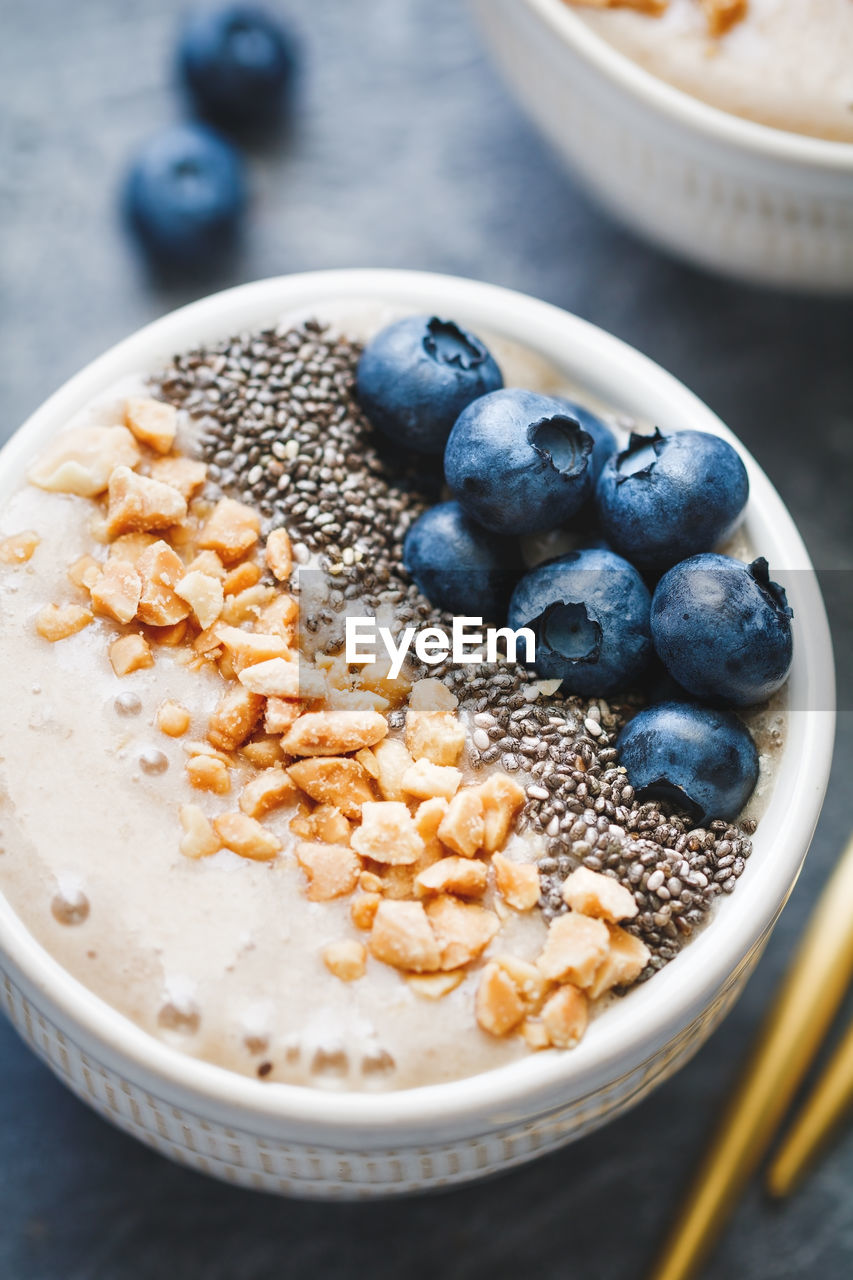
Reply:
x=423, y=780
x=208, y=645
x=464, y=876
x=564, y=1017
x=532, y=1031
x=130, y=653
x=267, y=791
x=231, y=530
x=160, y=571
x=346, y=960
x=82, y=460
x=654, y=8
x=235, y=718
x=19, y=547
x=116, y=591
x=263, y=753
x=248, y=605
x=172, y=636
x=517, y=882
x=432, y=695
x=187, y=475
x=249, y=647
x=331, y=733
x=153, y=422
x=367, y=757
x=195, y=748
x=376, y=677
x=499, y=1006
x=625, y=961
x=138, y=504
x=241, y=578
x=332, y=869
x=199, y=839
x=428, y=818
x=574, y=948
x=529, y=982
x=370, y=882
x=280, y=615
x=398, y=881
x=83, y=572
x=435, y=735
x=206, y=773
x=356, y=700
x=326, y=824
x=461, y=828
x=246, y=837
x=334, y=780
x=208, y=563
x=173, y=719
x=502, y=798
x=723, y=14
x=463, y=930
x=203, y=593
x=363, y=909
x=432, y=986
x=57, y=622
x=130, y=546
x=283, y=678
x=402, y=936
x=597, y=895
x=387, y=834
x=279, y=555
x=391, y=761
x=280, y=714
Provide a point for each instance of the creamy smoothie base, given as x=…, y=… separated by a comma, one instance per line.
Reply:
x=111, y=784
x=783, y=64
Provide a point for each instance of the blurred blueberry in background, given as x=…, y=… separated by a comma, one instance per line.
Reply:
x=237, y=61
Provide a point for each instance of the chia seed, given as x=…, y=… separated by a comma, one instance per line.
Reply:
x=279, y=427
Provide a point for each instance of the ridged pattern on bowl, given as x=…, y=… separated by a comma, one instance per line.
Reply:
x=294, y=1168
x=759, y=216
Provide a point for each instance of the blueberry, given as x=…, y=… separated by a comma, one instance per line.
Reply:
x=722, y=629
x=460, y=566
x=589, y=611
x=702, y=760
x=518, y=462
x=417, y=375
x=603, y=440
x=668, y=497
x=237, y=62
x=185, y=196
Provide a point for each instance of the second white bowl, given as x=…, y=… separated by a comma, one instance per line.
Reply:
x=740, y=198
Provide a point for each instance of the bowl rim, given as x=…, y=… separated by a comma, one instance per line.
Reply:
x=668, y=100
x=684, y=989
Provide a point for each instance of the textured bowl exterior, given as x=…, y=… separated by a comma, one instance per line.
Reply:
x=311, y=1142
x=263, y=1159
x=730, y=195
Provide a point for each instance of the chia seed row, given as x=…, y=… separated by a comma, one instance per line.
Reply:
x=280, y=429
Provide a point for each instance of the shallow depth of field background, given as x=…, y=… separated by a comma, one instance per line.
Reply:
x=403, y=151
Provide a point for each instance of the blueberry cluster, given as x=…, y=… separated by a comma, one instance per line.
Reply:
x=185, y=193
x=643, y=589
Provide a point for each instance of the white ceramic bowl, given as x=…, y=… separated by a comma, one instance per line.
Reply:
x=296, y=1140
x=738, y=197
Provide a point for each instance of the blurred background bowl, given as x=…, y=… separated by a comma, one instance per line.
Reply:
x=750, y=201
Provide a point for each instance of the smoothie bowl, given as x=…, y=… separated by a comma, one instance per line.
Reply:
x=332, y=926
x=718, y=129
